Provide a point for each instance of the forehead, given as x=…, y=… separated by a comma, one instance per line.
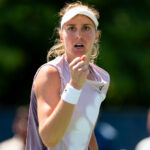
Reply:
x=80, y=19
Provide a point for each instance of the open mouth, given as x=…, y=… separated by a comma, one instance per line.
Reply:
x=79, y=45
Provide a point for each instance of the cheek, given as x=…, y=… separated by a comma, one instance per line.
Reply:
x=67, y=39
x=90, y=37
x=90, y=41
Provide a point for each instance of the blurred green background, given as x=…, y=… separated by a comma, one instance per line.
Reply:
x=27, y=33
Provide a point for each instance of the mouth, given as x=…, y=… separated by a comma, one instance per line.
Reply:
x=79, y=46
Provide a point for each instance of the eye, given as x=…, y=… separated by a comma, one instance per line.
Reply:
x=86, y=28
x=71, y=28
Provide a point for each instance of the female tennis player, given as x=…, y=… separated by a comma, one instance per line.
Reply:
x=67, y=91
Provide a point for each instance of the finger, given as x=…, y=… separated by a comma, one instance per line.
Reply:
x=74, y=62
x=83, y=58
x=80, y=64
x=83, y=68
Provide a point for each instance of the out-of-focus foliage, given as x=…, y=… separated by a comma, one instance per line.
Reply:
x=126, y=51
x=27, y=32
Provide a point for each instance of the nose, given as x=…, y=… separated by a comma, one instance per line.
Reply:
x=79, y=34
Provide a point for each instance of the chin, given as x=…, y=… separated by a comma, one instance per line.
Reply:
x=79, y=53
x=75, y=54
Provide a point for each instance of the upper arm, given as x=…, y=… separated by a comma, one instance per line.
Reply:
x=47, y=90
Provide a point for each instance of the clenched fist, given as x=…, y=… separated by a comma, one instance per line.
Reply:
x=79, y=71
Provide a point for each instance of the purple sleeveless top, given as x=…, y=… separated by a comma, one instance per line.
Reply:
x=85, y=113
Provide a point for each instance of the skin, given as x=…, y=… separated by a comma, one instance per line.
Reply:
x=79, y=30
x=51, y=108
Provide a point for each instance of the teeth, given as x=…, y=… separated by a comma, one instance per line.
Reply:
x=78, y=45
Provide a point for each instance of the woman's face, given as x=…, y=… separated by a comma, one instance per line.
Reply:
x=78, y=36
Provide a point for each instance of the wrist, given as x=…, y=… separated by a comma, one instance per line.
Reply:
x=75, y=85
x=70, y=94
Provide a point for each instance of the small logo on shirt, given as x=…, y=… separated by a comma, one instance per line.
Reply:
x=101, y=87
x=65, y=90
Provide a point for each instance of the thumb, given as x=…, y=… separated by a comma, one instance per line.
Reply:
x=83, y=58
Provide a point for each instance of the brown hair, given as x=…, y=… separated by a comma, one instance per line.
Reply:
x=58, y=48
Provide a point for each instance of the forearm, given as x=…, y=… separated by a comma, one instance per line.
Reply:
x=56, y=125
x=93, y=142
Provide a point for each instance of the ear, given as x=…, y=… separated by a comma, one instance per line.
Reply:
x=98, y=34
x=61, y=35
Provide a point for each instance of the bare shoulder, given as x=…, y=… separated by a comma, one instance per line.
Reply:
x=47, y=80
x=47, y=73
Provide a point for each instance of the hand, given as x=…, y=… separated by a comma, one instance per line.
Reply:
x=79, y=72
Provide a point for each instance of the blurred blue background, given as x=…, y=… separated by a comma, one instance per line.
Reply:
x=26, y=34
x=115, y=129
